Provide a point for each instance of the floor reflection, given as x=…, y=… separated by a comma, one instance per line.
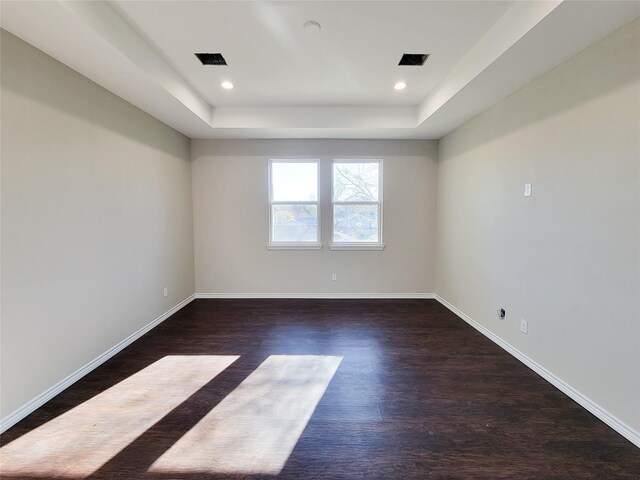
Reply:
x=255, y=428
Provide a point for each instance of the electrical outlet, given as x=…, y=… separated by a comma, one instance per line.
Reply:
x=527, y=189
x=334, y=276
x=524, y=326
x=166, y=292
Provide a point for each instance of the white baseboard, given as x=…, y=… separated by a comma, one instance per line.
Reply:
x=625, y=430
x=318, y=295
x=618, y=425
x=17, y=415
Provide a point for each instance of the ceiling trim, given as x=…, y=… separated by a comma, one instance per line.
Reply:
x=105, y=22
x=516, y=22
x=131, y=67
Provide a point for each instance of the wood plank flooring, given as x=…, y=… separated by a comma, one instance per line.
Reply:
x=419, y=394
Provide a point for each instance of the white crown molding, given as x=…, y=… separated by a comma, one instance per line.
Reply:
x=20, y=413
x=310, y=116
x=607, y=417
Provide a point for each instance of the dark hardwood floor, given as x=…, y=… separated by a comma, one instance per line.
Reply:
x=419, y=394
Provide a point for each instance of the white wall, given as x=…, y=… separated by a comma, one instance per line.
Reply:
x=568, y=258
x=96, y=220
x=231, y=220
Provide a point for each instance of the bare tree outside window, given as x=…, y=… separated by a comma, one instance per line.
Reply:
x=356, y=202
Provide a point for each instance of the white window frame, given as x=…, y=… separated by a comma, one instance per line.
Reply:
x=310, y=245
x=379, y=245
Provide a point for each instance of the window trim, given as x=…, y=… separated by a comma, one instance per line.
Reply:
x=311, y=245
x=379, y=245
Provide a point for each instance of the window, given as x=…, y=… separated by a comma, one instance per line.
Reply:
x=293, y=204
x=357, y=205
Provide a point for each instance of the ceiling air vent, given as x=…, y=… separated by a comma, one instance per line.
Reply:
x=211, y=58
x=414, y=59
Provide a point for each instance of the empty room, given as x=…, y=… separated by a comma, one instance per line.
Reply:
x=320, y=239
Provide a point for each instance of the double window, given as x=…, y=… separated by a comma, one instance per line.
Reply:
x=356, y=204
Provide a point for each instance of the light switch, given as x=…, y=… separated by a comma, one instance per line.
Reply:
x=527, y=189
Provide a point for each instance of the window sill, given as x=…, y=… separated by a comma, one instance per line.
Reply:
x=294, y=246
x=357, y=246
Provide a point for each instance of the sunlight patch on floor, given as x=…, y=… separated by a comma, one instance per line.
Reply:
x=81, y=440
x=256, y=427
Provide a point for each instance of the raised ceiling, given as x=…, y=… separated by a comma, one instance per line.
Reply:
x=351, y=61
x=333, y=83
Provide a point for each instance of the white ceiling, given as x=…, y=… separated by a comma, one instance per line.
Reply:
x=292, y=83
x=352, y=60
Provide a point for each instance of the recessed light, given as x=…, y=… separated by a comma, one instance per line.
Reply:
x=400, y=85
x=312, y=26
x=226, y=85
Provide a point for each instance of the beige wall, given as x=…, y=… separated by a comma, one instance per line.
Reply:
x=96, y=220
x=568, y=258
x=231, y=220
